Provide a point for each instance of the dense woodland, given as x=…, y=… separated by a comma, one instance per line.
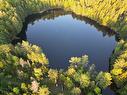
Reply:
x=24, y=67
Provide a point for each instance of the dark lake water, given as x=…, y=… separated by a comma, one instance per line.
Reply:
x=64, y=35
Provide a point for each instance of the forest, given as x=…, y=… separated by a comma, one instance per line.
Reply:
x=24, y=67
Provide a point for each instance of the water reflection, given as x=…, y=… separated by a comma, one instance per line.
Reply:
x=106, y=37
x=63, y=35
x=51, y=15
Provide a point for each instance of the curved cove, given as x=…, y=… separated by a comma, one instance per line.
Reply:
x=63, y=35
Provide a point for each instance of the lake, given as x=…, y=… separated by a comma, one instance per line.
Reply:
x=63, y=35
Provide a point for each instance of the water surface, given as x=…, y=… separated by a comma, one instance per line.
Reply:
x=64, y=35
